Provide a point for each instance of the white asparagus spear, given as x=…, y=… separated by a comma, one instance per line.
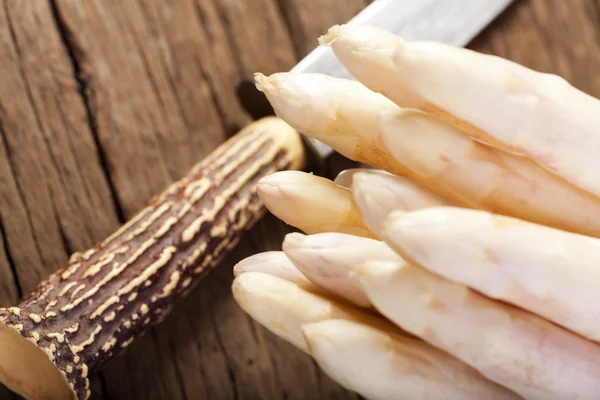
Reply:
x=523, y=352
x=339, y=112
x=382, y=366
x=311, y=203
x=284, y=309
x=383, y=193
x=537, y=114
x=274, y=263
x=488, y=178
x=347, y=110
x=277, y=264
x=552, y=273
x=345, y=177
x=330, y=259
x=363, y=50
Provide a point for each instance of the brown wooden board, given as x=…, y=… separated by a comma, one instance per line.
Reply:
x=103, y=103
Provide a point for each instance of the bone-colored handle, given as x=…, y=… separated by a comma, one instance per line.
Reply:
x=105, y=297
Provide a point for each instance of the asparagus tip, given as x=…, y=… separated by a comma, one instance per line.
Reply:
x=262, y=82
x=293, y=241
x=331, y=36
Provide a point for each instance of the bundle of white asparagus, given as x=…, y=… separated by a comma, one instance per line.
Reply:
x=466, y=263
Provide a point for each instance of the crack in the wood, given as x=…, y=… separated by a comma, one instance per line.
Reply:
x=153, y=334
x=64, y=239
x=76, y=159
x=228, y=361
x=9, y=258
x=253, y=331
x=103, y=386
x=21, y=197
x=169, y=77
x=284, y=10
x=203, y=22
x=156, y=92
x=85, y=89
x=228, y=130
x=236, y=51
x=11, y=262
x=63, y=236
x=199, y=348
x=125, y=361
x=595, y=5
x=178, y=100
x=38, y=120
x=19, y=57
x=128, y=368
x=267, y=349
x=180, y=378
x=201, y=19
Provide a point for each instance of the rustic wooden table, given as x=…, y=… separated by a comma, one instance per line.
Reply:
x=103, y=103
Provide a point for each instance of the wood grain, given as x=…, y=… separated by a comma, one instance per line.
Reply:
x=103, y=103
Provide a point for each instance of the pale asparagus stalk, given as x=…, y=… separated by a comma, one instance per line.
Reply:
x=550, y=272
x=283, y=307
x=330, y=259
x=383, y=193
x=488, y=178
x=311, y=203
x=523, y=352
x=346, y=177
x=339, y=112
x=342, y=113
x=287, y=311
x=538, y=114
x=398, y=367
x=274, y=263
x=364, y=49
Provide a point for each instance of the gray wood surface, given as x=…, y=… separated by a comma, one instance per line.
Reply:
x=104, y=102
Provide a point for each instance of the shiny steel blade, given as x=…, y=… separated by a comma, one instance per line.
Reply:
x=455, y=22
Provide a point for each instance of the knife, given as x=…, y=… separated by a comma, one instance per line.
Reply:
x=107, y=296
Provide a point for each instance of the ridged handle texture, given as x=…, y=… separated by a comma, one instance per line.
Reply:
x=107, y=296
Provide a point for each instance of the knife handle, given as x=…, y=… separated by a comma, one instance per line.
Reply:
x=105, y=297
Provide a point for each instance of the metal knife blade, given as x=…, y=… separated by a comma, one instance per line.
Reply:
x=455, y=22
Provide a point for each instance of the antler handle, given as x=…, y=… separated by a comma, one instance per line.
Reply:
x=105, y=297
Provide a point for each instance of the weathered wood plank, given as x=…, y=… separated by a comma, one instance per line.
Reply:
x=64, y=197
x=192, y=47
x=9, y=200
x=54, y=195
x=159, y=79
x=257, y=35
